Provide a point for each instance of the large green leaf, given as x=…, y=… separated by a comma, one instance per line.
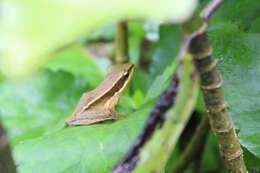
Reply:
x=34, y=107
x=34, y=114
x=162, y=79
x=77, y=62
x=166, y=49
x=136, y=35
x=31, y=30
x=239, y=56
x=35, y=118
x=93, y=148
x=241, y=12
x=38, y=115
x=86, y=148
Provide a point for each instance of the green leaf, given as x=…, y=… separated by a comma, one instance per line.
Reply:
x=106, y=33
x=35, y=119
x=140, y=81
x=211, y=159
x=138, y=97
x=166, y=49
x=241, y=12
x=239, y=57
x=160, y=83
x=135, y=37
x=94, y=148
x=255, y=26
x=31, y=30
x=77, y=62
x=252, y=162
x=34, y=107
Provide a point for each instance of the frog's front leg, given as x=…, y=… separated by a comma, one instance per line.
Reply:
x=92, y=116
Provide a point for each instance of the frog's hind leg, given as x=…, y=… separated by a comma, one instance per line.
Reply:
x=116, y=115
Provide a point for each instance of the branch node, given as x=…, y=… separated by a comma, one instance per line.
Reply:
x=209, y=67
x=204, y=54
x=232, y=156
x=217, y=109
x=213, y=86
x=223, y=131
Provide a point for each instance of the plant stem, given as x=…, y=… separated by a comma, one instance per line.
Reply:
x=6, y=161
x=155, y=119
x=121, y=42
x=199, y=156
x=211, y=85
x=221, y=123
x=193, y=147
x=156, y=152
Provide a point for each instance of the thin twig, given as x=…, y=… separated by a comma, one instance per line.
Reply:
x=210, y=8
x=6, y=161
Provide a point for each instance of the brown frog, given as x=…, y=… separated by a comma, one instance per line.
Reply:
x=99, y=104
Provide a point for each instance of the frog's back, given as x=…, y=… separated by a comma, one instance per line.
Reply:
x=90, y=97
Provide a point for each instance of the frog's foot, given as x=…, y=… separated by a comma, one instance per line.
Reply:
x=92, y=117
x=116, y=116
x=89, y=120
x=119, y=115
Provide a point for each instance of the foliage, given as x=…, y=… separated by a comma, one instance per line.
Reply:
x=33, y=110
x=176, y=118
x=31, y=30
